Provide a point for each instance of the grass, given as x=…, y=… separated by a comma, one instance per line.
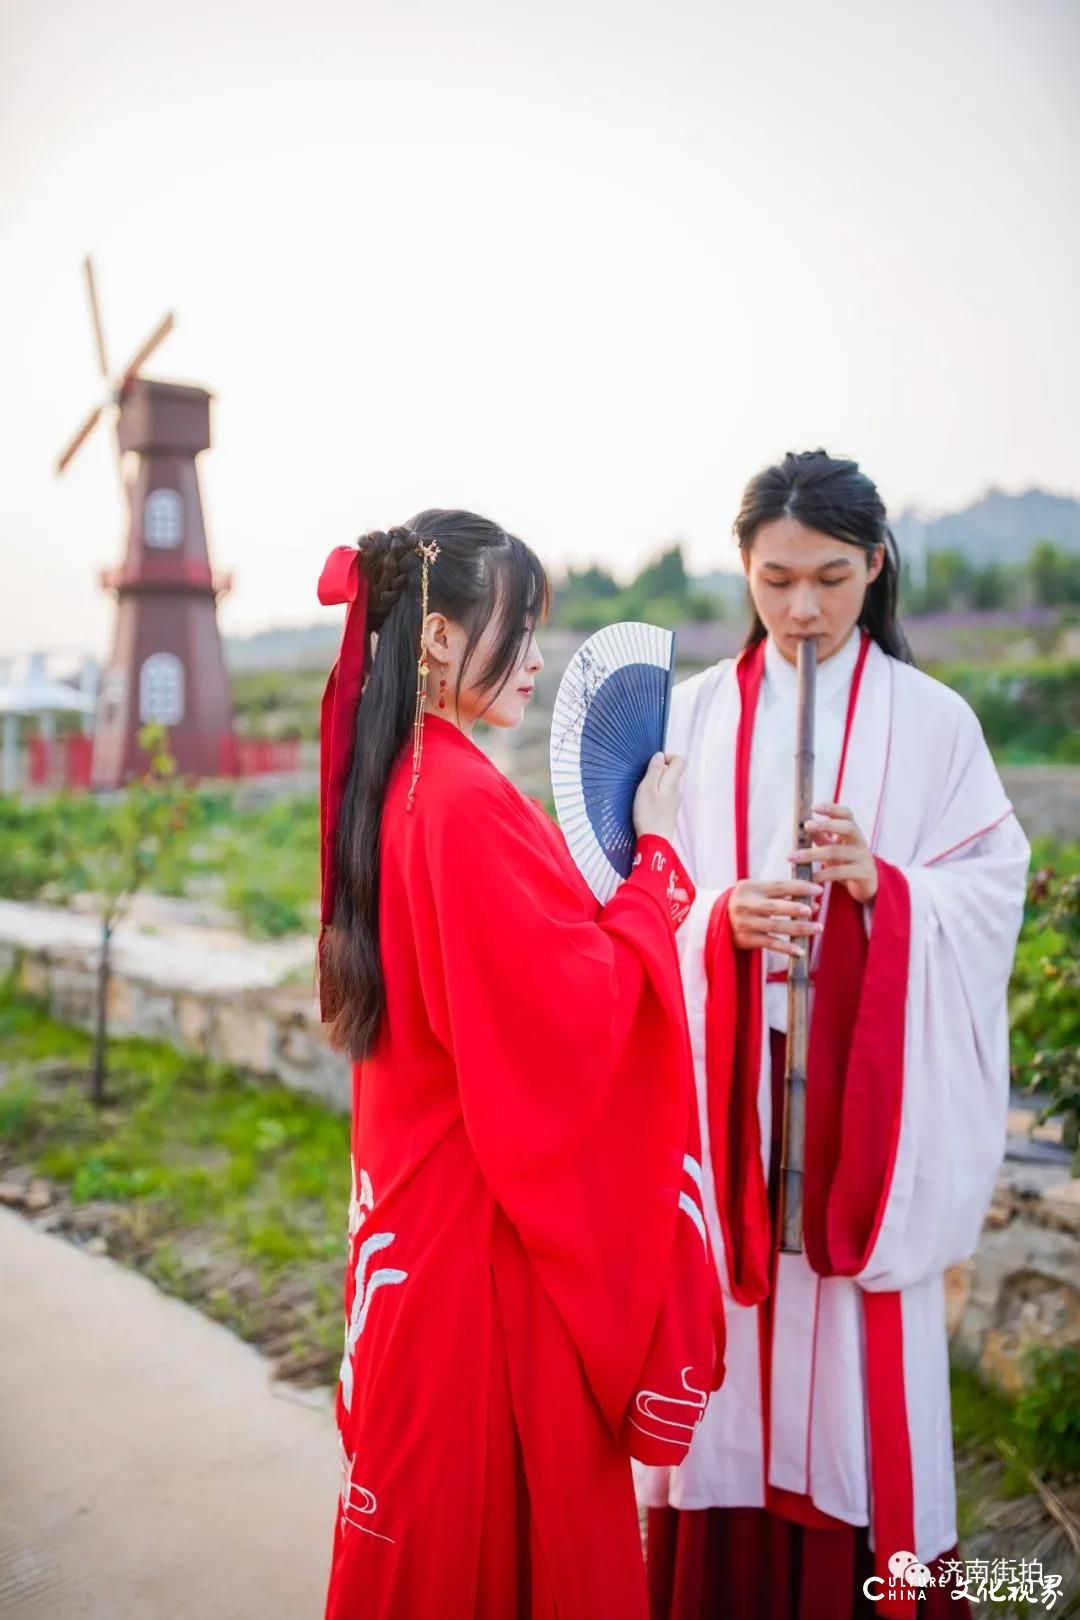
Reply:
x=261, y=863
x=981, y=1418
x=226, y=1190
x=1006, y=1472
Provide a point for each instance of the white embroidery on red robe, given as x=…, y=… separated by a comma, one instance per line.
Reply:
x=678, y=898
x=658, y=861
x=360, y=1204
x=688, y=1202
x=357, y=1501
x=648, y=1401
x=365, y=1291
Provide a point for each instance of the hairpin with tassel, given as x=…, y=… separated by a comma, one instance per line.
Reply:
x=429, y=550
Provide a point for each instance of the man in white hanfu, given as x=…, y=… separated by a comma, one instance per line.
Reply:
x=828, y=1452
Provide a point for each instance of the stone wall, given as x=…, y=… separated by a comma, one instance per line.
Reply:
x=272, y=1032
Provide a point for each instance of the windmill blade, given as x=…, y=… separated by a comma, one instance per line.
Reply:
x=83, y=434
x=95, y=316
x=157, y=336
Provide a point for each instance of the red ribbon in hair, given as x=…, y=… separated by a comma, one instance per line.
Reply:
x=342, y=580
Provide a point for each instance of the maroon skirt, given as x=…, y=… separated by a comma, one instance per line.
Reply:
x=750, y=1564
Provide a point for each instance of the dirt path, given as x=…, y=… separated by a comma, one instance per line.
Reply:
x=148, y=1469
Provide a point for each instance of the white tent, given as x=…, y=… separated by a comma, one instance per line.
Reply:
x=38, y=696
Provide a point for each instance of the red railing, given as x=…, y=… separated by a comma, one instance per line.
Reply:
x=259, y=756
x=63, y=762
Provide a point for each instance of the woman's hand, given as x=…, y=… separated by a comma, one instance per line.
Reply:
x=659, y=794
x=773, y=916
x=839, y=852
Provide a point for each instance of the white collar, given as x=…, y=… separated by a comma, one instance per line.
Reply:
x=833, y=676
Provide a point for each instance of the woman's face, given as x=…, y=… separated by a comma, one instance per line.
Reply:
x=806, y=584
x=507, y=706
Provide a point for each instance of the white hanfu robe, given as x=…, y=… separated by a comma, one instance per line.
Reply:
x=907, y=1091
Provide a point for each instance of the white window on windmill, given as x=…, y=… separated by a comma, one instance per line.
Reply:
x=163, y=524
x=161, y=690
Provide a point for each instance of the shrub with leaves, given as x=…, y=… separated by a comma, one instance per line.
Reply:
x=1048, y=1412
x=1045, y=999
x=134, y=839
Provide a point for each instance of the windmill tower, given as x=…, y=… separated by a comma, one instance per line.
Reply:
x=167, y=665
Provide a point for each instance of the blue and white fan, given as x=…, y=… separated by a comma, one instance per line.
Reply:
x=610, y=718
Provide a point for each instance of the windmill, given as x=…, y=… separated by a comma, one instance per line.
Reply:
x=167, y=665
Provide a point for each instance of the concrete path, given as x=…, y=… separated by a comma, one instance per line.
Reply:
x=148, y=1470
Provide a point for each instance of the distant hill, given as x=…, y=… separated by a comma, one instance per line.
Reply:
x=729, y=584
x=312, y=646
x=999, y=528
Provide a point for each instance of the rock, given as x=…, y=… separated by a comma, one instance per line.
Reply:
x=72, y=994
x=96, y=1246
x=1063, y=1202
x=300, y=1047
x=998, y=1215
x=38, y=1196
x=1033, y=1310
x=93, y=1218
x=193, y=1016
x=13, y=1190
x=1022, y=1286
x=246, y=1036
x=120, y=1007
x=957, y=1294
x=34, y=977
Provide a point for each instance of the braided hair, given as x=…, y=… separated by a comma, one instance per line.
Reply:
x=390, y=560
x=482, y=573
x=836, y=498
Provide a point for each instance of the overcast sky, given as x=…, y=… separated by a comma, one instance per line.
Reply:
x=582, y=266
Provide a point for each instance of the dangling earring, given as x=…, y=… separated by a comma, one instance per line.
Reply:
x=442, y=693
x=428, y=550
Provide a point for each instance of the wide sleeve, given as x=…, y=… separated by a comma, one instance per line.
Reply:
x=965, y=915
x=569, y=1037
x=909, y=1064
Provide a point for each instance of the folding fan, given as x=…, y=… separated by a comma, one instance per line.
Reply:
x=610, y=718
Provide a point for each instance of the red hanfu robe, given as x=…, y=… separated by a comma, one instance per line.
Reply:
x=835, y=1411
x=530, y=1294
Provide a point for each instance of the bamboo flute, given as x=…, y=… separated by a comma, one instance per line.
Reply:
x=792, y=1154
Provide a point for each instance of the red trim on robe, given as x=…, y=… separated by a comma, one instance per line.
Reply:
x=892, y=1483
x=855, y=1075
x=733, y=1023
x=964, y=842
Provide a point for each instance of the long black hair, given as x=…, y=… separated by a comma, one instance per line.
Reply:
x=836, y=498
x=481, y=572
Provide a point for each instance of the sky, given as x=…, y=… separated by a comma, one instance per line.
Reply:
x=584, y=267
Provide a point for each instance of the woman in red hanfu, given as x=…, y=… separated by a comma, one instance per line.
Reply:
x=831, y=1435
x=530, y=1299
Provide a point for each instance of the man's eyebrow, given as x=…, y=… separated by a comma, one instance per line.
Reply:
x=837, y=562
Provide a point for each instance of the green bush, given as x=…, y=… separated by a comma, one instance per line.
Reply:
x=1044, y=1004
x=1029, y=712
x=1048, y=1412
